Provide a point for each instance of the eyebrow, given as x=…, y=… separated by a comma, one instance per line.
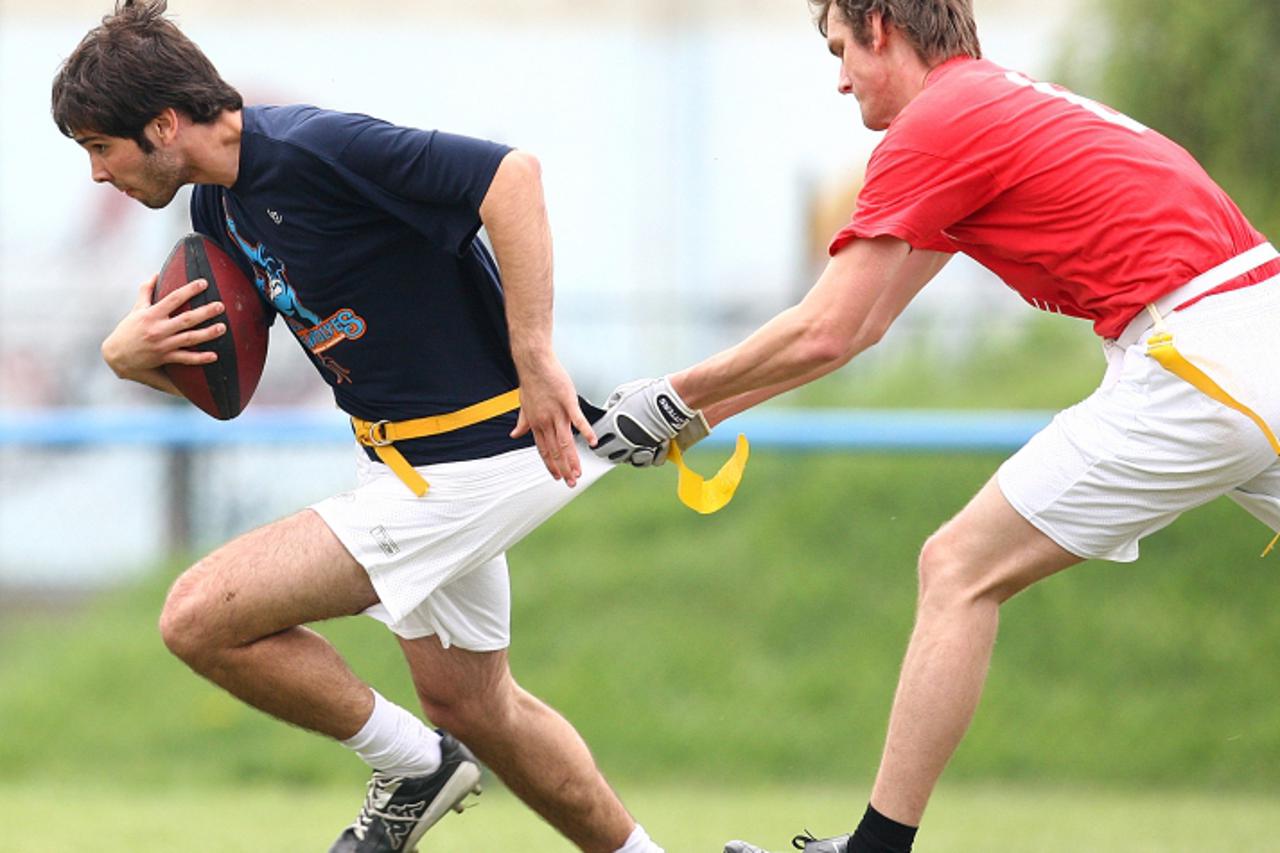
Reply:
x=85, y=140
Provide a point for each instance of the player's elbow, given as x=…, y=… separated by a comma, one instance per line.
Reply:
x=522, y=167
x=515, y=192
x=834, y=344
x=826, y=346
x=871, y=332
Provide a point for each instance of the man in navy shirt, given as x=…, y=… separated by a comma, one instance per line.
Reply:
x=362, y=237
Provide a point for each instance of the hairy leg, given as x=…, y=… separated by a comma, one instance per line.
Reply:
x=534, y=750
x=233, y=617
x=973, y=564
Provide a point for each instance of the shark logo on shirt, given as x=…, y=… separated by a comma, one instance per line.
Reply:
x=270, y=276
x=272, y=280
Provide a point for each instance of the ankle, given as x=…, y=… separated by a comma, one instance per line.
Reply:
x=879, y=834
x=396, y=742
x=639, y=842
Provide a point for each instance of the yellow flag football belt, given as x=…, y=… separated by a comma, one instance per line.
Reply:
x=695, y=492
x=1160, y=347
x=382, y=435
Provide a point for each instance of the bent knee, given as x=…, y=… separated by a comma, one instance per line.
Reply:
x=948, y=577
x=185, y=624
x=951, y=572
x=468, y=712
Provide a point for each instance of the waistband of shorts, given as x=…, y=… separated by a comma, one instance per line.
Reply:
x=1241, y=264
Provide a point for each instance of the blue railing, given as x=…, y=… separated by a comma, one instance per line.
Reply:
x=793, y=429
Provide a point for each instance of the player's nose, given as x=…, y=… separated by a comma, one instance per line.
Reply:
x=98, y=172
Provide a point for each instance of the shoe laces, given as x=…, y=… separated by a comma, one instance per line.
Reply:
x=801, y=840
x=378, y=793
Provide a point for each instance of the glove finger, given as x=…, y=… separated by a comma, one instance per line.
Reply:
x=635, y=433
x=609, y=447
x=661, y=456
x=641, y=458
x=605, y=444
x=647, y=458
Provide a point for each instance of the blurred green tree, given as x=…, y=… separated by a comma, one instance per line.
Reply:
x=1204, y=74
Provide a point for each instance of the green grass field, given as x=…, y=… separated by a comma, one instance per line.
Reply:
x=754, y=642
x=712, y=663
x=966, y=819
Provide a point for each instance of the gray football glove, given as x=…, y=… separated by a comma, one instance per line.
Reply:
x=640, y=420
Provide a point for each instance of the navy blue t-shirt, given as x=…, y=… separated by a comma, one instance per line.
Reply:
x=362, y=236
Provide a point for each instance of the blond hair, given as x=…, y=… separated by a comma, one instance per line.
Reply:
x=937, y=29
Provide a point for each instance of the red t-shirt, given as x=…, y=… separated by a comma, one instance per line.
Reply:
x=1081, y=210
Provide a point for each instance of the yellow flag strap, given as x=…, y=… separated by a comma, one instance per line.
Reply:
x=1160, y=347
x=701, y=495
x=382, y=435
x=707, y=496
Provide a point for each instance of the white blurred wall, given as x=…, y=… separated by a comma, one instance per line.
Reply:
x=685, y=146
x=683, y=149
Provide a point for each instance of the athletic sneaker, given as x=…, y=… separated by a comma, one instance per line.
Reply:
x=398, y=810
x=805, y=843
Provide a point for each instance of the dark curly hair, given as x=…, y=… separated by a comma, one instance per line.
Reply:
x=130, y=68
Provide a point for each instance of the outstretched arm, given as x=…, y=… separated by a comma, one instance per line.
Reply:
x=514, y=214
x=856, y=299
x=854, y=302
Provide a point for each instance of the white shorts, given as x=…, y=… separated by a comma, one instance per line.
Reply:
x=1147, y=446
x=438, y=562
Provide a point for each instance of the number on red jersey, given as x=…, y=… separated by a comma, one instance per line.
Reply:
x=1103, y=112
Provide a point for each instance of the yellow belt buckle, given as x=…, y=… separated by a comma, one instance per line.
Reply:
x=381, y=435
x=376, y=434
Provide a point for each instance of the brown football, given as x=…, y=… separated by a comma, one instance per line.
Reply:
x=221, y=388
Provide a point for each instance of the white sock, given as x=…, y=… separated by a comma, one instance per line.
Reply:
x=396, y=742
x=638, y=842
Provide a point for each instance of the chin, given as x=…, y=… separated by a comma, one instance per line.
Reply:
x=159, y=201
x=874, y=122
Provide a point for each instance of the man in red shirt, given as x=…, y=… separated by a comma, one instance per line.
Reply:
x=1084, y=212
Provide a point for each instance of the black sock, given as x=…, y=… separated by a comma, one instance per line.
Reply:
x=878, y=834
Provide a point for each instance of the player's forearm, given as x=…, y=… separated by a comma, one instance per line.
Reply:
x=858, y=296
x=160, y=381
x=154, y=378
x=515, y=216
x=116, y=358
x=717, y=413
x=792, y=348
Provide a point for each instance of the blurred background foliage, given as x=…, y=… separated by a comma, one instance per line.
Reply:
x=1203, y=74
x=1045, y=362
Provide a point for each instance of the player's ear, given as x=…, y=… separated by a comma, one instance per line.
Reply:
x=164, y=127
x=878, y=30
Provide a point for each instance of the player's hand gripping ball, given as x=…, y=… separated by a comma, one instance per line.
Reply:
x=221, y=388
x=641, y=418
